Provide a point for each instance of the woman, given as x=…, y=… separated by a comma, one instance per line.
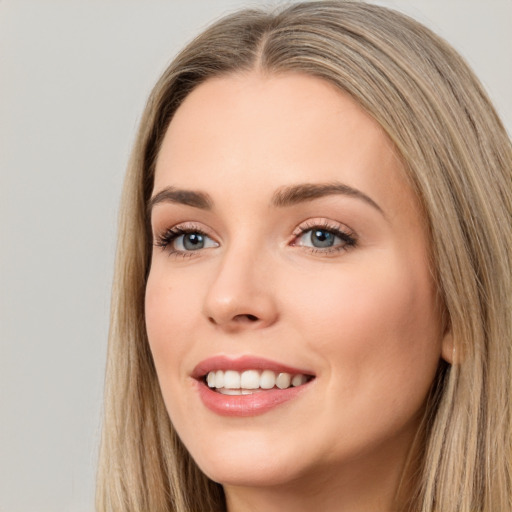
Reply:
x=312, y=298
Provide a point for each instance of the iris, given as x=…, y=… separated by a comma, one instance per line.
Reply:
x=193, y=241
x=322, y=238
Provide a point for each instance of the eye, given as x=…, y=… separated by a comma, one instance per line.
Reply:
x=324, y=238
x=192, y=241
x=319, y=238
x=183, y=240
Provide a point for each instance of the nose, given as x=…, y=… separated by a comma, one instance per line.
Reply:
x=241, y=295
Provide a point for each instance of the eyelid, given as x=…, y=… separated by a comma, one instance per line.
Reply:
x=322, y=223
x=342, y=231
x=166, y=237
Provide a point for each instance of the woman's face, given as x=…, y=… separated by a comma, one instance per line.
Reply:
x=287, y=241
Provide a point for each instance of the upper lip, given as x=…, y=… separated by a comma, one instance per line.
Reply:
x=242, y=363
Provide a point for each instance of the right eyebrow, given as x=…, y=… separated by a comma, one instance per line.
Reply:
x=180, y=196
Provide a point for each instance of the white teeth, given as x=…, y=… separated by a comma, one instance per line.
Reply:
x=233, y=392
x=231, y=379
x=250, y=380
x=283, y=380
x=231, y=382
x=219, y=379
x=298, y=380
x=267, y=379
x=226, y=391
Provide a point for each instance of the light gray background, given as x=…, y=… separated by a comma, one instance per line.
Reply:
x=74, y=76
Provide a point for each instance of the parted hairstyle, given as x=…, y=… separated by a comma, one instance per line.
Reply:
x=458, y=159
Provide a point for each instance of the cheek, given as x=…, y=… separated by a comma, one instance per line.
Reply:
x=376, y=329
x=168, y=307
x=171, y=326
x=377, y=322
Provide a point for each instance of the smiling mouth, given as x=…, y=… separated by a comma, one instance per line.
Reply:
x=232, y=382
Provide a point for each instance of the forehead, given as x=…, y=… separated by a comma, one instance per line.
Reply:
x=254, y=132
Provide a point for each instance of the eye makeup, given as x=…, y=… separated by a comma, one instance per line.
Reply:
x=321, y=236
x=317, y=236
x=184, y=239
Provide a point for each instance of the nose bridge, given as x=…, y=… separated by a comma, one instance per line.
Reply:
x=240, y=294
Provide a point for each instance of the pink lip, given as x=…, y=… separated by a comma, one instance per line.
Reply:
x=245, y=405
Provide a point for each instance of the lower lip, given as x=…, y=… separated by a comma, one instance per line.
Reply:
x=247, y=405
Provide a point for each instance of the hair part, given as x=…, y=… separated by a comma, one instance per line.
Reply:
x=458, y=159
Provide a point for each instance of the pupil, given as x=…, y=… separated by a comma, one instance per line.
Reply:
x=322, y=238
x=193, y=241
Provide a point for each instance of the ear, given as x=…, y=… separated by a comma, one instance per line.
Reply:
x=448, y=347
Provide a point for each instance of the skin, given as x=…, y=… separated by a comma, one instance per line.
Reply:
x=363, y=319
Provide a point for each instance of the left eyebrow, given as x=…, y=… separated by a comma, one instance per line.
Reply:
x=291, y=195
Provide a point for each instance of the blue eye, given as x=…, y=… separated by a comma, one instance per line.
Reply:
x=190, y=242
x=321, y=238
x=179, y=240
x=325, y=238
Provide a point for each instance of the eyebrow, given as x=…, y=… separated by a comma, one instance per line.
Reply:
x=283, y=197
x=179, y=196
x=289, y=196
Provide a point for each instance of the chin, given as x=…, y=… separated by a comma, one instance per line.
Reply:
x=247, y=474
x=251, y=464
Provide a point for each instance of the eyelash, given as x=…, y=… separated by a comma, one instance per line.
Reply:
x=168, y=237
x=346, y=235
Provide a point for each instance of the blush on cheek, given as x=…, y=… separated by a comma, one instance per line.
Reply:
x=152, y=310
x=160, y=315
x=382, y=311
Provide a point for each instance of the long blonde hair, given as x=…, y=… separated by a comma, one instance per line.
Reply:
x=459, y=161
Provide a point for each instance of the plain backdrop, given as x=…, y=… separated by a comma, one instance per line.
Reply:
x=74, y=76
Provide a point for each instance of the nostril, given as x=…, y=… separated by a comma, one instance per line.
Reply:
x=246, y=318
x=238, y=318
